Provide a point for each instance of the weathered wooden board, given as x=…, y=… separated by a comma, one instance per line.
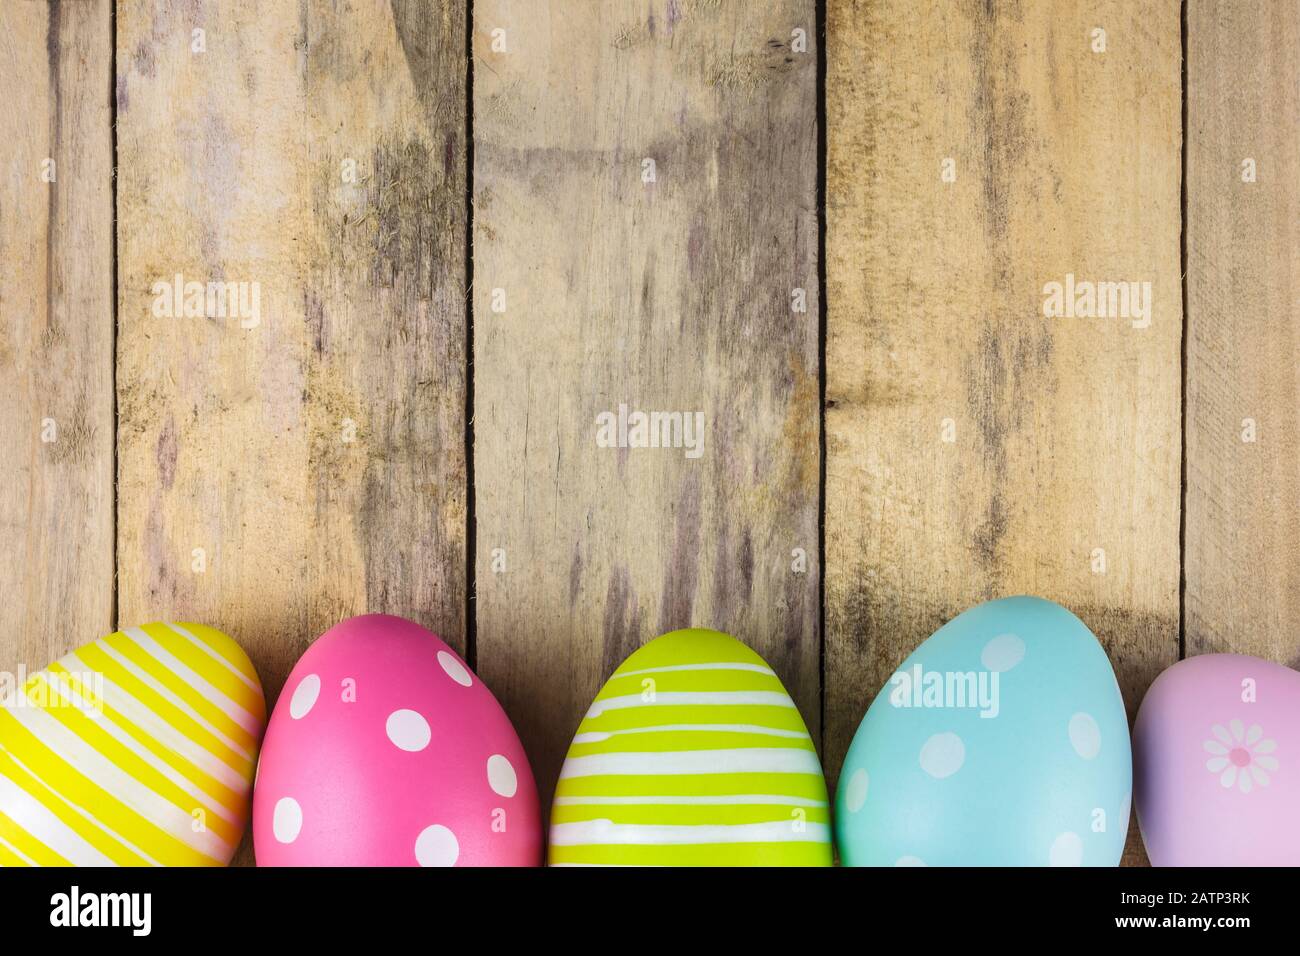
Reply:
x=595, y=287
x=1243, y=329
x=284, y=470
x=975, y=447
x=56, y=329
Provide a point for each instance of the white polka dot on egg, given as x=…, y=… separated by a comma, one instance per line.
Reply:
x=942, y=755
x=910, y=861
x=304, y=696
x=286, y=822
x=855, y=795
x=1067, y=850
x=1085, y=736
x=501, y=776
x=1003, y=653
x=436, y=846
x=408, y=730
x=455, y=669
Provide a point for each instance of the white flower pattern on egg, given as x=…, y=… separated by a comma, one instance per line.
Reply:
x=1241, y=757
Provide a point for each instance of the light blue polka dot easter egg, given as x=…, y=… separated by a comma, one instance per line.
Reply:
x=1002, y=741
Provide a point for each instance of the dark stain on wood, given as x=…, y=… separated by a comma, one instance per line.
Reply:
x=673, y=15
x=165, y=453
x=408, y=249
x=1003, y=368
x=143, y=59
x=53, y=51
x=988, y=534
x=999, y=119
x=986, y=385
x=575, y=574
x=695, y=240
x=622, y=626
x=747, y=565
x=681, y=577
x=648, y=289
x=431, y=51
x=314, y=316
x=76, y=437
x=450, y=157
x=866, y=617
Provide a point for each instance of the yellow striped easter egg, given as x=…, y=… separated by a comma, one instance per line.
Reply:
x=692, y=754
x=136, y=750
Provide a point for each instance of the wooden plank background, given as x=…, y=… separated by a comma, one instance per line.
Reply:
x=670, y=295
x=1243, y=336
x=317, y=458
x=975, y=447
x=313, y=464
x=275, y=478
x=56, y=329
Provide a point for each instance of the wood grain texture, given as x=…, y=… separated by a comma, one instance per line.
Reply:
x=1065, y=431
x=1243, y=330
x=56, y=329
x=671, y=295
x=317, y=457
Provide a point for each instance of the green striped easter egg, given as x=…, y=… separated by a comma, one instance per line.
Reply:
x=692, y=754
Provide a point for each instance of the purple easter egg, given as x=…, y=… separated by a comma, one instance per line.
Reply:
x=1216, y=749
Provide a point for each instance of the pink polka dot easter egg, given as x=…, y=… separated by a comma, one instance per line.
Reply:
x=1216, y=747
x=384, y=749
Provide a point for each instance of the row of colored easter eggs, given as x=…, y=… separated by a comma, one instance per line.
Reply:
x=1001, y=741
